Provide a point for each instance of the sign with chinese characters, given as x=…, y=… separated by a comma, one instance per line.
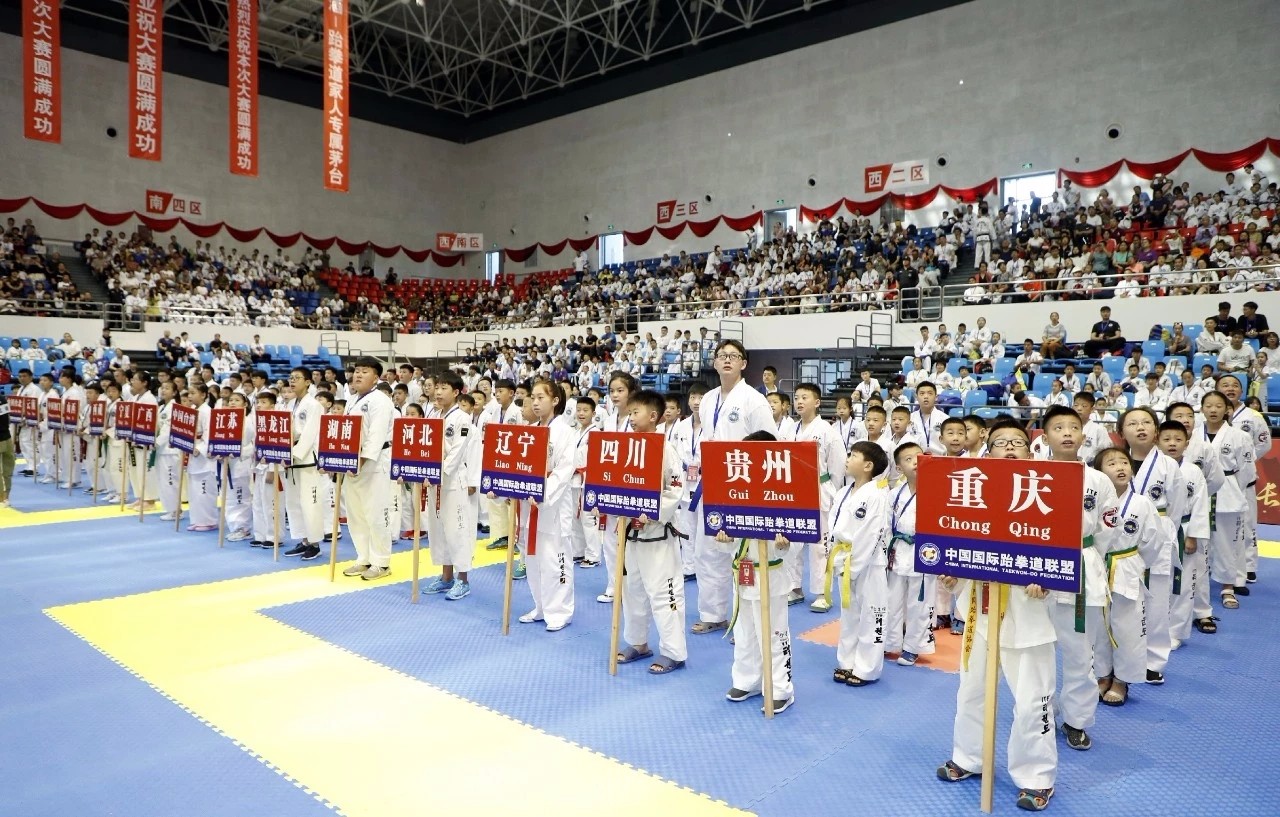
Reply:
x=182, y=428
x=70, y=414
x=756, y=490
x=624, y=473
x=339, y=450
x=1001, y=520
x=897, y=176
x=669, y=211
x=336, y=104
x=460, y=242
x=146, y=76
x=124, y=421
x=31, y=411
x=1268, y=486
x=42, y=70
x=273, y=437
x=53, y=413
x=242, y=82
x=97, y=418
x=514, y=463
x=160, y=203
x=226, y=433
x=417, y=449
x=144, y=424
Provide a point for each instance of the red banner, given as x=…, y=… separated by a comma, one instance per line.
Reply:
x=1001, y=520
x=514, y=462
x=144, y=424
x=336, y=87
x=624, y=473
x=146, y=27
x=273, y=437
x=757, y=490
x=182, y=428
x=124, y=421
x=417, y=449
x=53, y=413
x=226, y=432
x=339, y=450
x=41, y=70
x=31, y=411
x=97, y=418
x=242, y=82
x=70, y=415
x=1268, y=486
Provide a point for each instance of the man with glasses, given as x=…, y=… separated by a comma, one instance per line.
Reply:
x=302, y=494
x=728, y=412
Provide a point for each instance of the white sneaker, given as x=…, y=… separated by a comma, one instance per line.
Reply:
x=355, y=570
x=530, y=617
x=169, y=517
x=238, y=536
x=605, y=598
x=1175, y=644
x=4, y=503
x=46, y=480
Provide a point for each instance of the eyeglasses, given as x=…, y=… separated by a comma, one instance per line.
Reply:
x=728, y=358
x=1014, y=442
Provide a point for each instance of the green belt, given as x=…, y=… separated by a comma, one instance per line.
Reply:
x=910, y=540
x=1087, y=542
x=824, y=478
x=1182, y=554
x=737, y=563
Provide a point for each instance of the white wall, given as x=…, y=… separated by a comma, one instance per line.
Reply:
x=399, y=180
x=1173, y=75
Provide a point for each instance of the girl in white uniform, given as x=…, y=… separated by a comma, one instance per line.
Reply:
x=1192, y=604
x=116, y=447
x=621, y=387
x=202, y=471
x=239, y=524
x=1227, y=534
x=909, y=615
x=168, y=458
x=831, y=478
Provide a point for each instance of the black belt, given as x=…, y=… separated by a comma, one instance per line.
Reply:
x=306, y=465
x=386, y=445
x=667, y=530
x=1232, y=473
x=1251, y=484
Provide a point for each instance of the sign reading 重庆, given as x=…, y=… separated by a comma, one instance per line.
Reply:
x=42, y=70
x=124, y=421
x=97, y=418
x=624, y=473
x=1001, y=520
x=144, y=424
x=146, y=76
x=226, y=432
x=182, y=428
x=514, y=464
x=417, y=449
x=339, y=450
x=897, y=176
x=756, y=490
x=70, y=414
x=273, y=437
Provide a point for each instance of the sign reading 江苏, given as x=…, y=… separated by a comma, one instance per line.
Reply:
x=756, y=490
x=226, y=432
x=1001, y=520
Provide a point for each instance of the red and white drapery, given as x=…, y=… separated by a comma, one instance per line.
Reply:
x=1218, y=162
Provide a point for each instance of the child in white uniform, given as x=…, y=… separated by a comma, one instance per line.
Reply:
x=450, y=525
x=686, y=436
x=831, y=478
x=239, y=524
x=1227, y=536
x=168, y=458
x=266, y=484
x=202, y=470
x=1193, y=527
x=584, y=528
x=909, y=614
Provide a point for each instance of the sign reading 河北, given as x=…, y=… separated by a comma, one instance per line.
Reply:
x=756, y=490
x=1001, y=520
x=417, y=449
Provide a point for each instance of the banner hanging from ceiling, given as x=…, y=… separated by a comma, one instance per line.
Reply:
x=146, y=36
x=336, y=109
x=41, y=71
x=242, y=81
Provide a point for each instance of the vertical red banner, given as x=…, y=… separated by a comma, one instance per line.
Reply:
x=146, y=27
x=243, y=83
x=41, y=71
x=336, y=109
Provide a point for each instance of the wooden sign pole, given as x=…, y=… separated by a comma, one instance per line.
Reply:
x=126, y=462
x=275, y=510
x=619, y=575
x=177, y=512
x=142, y=485
x=96, y=442
x=222, y=502
x=337, y=528
x=766, y=629
x=995, y=612
x=417, y=538
x=513, y=519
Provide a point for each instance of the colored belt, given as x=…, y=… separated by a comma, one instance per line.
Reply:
x=899, y=537
x=971, y=623
x=1087, y=542
x=846, y=582
x=1231, y=473
x=737, y=563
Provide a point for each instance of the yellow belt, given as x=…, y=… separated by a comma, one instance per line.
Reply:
x=846, y=581
x=1111, y=559
x=972, y=623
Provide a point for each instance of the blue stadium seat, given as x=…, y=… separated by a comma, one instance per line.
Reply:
x=907, y=364
x=1174, y=364
x=5, y=341
x=295, y=361
x=39, y=367
x=1004, y=366
x=1114, y=367
x=1192, y=331
x=270, y=349
x=296, y=350
x=1273, y=393
x=954, y=364
x=1203, y=360
x=46, y=343
x=242, y=347
x=206, y=358
x=986, y=412
x=1153, y=349
x=975, y=398
x=322, y=352
x=957, y=412
x=1042, y=381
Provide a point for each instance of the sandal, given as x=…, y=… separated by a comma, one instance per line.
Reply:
x=632, y=654
x=1104, y=686
x=663, y=665
x=701, y=627
x=1034, y=799
x=1115, y=697
x=841, y=676
x=1206, y=625
x=855, y=681
x=952, y=773
x=1230, y=602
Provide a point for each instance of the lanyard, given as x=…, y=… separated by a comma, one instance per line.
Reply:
x=924, y=428
x=583, y=436
x=899, y=513
x=845, y=434
x=847, y=493
x=715, y=418
x=1128, y=498
x=1150, y=467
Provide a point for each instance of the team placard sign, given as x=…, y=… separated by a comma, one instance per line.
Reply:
x=70, y=414
x=339, y=449
x=624, y=473
x=18, y=410
x=144, y=424
x=124, y=421
x=182, y=428
x=756, y=490
x=1001, y=520
x=97, y=418
x=226, y=432
x=31, y=412
x=514, y=463
x=417, y=449
x=273, y=437
x=53, y=413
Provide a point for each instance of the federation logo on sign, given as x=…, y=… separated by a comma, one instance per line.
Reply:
x=930, y=554
x=1131, y=526
x=486, y=484
x=715, y=521
x=591, y=499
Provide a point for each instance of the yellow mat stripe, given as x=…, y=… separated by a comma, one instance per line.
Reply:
x=361, y=737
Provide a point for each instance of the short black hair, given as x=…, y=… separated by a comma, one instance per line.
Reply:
x=1058, y=411
x=1173, y=425
x=1104, y=453
x=449, y=379
x=902, y=449
x=951, y=421
x=586, y=401
x=649, y=399
x=368, y=362
x=875, y=410
x=874, y=453
x=759, y=437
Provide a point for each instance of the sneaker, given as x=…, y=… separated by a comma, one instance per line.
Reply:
x=555, y=628
x=519, y=572
x=169, y=517
x=1242, y=590
x=297, y=550
x=587, y=564
x=238, y=536
x=256, y=543
x=1175, y=643
x=1077, y=739
x=63, y=486
x=201, y=528
x=1155, y=678
x=48, y=481
x=89, y=490
x=577, y=560
x=605, y=598
x=942, y=622
x=483, y=530
x=272, y=546
x=497, y=544
x=781, y=706
x=460, y=590
x=907, y=659
x=312, y=552
x=1251, y=578
x=375, y=573
x=111, y=499
x=406, y=534
x=957, y=627
x=796, y=597
x=4, y=503
x=820, y=605
x=438, y=585
x=739, y=695
x=530, y=617
x=27, y=472
x=358, y=570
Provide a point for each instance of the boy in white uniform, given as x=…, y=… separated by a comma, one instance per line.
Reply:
x=239, y=511
x=447, y=516
x=859, y=528
x=1078, y=616
x=202, y=470
x=93, y=394
x=1254, y=425
x=784, y=423
x=48, y=466
x=265, y=482
x=584, y=528
x=142, y=471
x=69, y=467
x=1192, y=605
x=501, y=409
x=1227, y=550
x=113, y=461
x=653, y=587
x=909, y=617
x=367, y=494
x=685, y=438
x=730, y=411
x=831, y=478
x=303, y=502
x=168, y=458
x=926, y=421
x=1026, y=658
x=1193, y=528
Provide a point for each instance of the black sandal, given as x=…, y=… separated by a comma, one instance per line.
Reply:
x=842, y=676
x=1206, y=625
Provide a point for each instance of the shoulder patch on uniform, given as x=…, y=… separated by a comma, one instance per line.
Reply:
x=465, y=430
x=448, y=432
x=861, y=513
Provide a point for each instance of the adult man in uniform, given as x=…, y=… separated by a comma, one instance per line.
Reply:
x=368, y=492
x=302, y=495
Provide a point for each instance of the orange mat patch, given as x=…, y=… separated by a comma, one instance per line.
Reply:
x=946, y=657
